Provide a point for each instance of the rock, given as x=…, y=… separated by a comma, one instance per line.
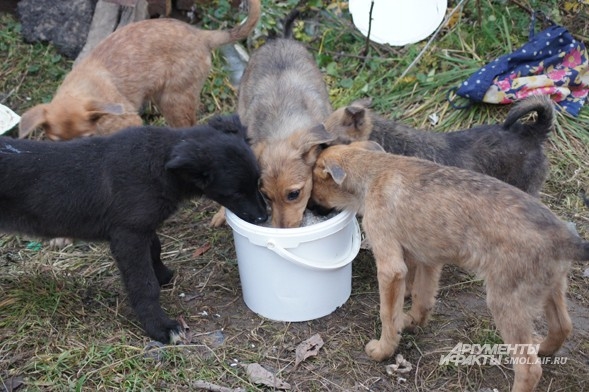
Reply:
x=65, y=24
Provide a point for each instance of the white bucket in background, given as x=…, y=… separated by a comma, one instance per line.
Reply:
x=296, y=274
x=398, y=23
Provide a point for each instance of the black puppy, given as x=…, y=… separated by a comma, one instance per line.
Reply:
x=120, y=188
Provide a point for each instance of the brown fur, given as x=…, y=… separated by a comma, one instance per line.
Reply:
x=283, y=100
x=163, y=60
x=513, y=151
x=434, y=215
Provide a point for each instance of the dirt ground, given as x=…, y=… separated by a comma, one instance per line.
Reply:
x=460, y=315
x=207, y=294
x=224, y=333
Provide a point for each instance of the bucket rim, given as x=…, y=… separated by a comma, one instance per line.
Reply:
x=325, y=227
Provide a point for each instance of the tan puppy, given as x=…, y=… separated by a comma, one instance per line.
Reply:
x=283, y=100
x=163, y=60
x=512, y=152
x=432, y=215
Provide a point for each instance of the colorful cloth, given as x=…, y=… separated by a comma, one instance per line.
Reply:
x=552, y=62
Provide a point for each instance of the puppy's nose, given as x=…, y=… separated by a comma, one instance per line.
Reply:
x=261, y=219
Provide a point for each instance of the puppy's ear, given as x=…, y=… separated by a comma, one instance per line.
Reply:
x=32, y=119
x=191, y=164
x=368, y=145
x=363, y=103
x=356, y=115
x=320, y=135
x=98, y=109
x=335, y=171
x=311, y=141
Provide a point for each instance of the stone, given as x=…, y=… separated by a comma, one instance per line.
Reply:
x=65, y=24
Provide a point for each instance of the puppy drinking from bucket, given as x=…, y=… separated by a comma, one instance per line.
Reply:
x=282, y=101
x=120, y=188
x=161, y=60
x=512, y=152
x=431, y=214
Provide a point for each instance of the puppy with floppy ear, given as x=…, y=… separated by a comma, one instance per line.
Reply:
x=163, y=60
x=282, y=101
x=121, y=188
x=286, y=179
x=433, y=215
x=513, y=151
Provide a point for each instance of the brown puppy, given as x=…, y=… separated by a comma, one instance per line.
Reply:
x=431, y=214
x=283, y=100
x=163, y=60
x=512, y=152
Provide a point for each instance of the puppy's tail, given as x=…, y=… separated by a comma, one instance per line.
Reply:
x=218, y=38
x=289, y=22
x=539, y=129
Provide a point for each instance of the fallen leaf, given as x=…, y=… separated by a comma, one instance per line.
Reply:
x=401, y=365
x=202, y=250
x=201, y=384
x=258, y=375
x=308, y=348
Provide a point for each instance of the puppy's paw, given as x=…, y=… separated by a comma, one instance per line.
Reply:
x=377, y=352
x=547, y=347
x=60, y=243
x=164, y=331
x=218, y=219
x=409, y=323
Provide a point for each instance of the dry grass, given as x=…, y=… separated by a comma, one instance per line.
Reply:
x=64, y=320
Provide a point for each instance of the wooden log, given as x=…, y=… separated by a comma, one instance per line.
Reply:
x=110, y=15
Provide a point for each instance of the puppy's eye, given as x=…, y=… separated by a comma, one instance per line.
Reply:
x=293, y=195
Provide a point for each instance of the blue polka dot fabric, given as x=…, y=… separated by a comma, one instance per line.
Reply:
x=552, y=62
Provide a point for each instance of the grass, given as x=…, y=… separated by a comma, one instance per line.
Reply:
x=64, y=319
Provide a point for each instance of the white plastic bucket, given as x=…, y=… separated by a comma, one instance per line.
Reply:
x=296, y=274
x=398, y=23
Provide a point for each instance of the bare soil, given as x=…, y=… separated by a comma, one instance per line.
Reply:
x=213, y=307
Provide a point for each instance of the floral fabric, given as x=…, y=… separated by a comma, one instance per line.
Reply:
x=552, y=62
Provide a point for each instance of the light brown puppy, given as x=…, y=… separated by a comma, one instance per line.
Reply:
x=512, y=152
x=432, y=215
x=283, y=100
x=163, y=60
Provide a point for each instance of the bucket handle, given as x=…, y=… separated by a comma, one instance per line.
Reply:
x=279, y=250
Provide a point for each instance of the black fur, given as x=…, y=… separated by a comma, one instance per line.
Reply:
x=121, y=188
x=289, y=23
